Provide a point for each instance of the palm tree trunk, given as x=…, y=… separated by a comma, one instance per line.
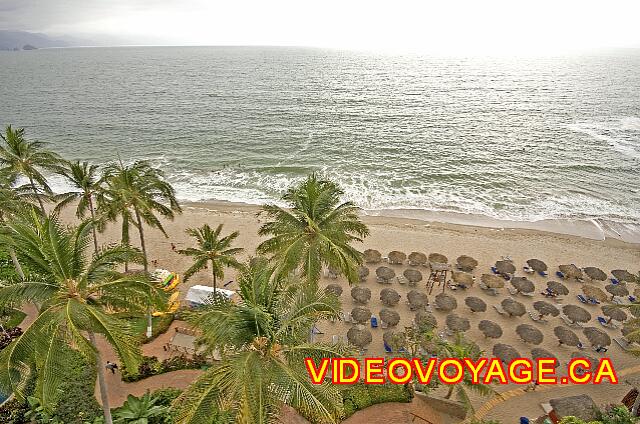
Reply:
x=213, y=271
x=93, y=227
x=448, y=396
x=142, y=245
x=16, y=263
x=35, y=192
x=636, y=405
x=104, y=396
x=124, y=240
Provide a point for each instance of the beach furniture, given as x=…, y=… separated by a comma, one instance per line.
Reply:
x=625, y=344
x=535, y=316
x=387, y=348
x=632, y=299
x=581, y=346
x=614, y=281
x=582, y=299
x=569, y=322
x=559, y=274
x=499, y=310
x=374, y=322
x=543, y=274
x=528, y=270
x=200, y=295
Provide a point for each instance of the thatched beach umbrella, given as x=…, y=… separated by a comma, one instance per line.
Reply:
x=466, y=263
x=446, y=303
x=558, y=288
x=538, y=353
x=581, y=355
x=571, y=271
x=389, y=297
x=576, y=313
x=389, y=316
x=582, y=407
x=545, y=308
x=334, y=289
x=438, y=258
x=333, y=272
x=396, y=257
x=594, y=292
x=505, y=267
x=363, y=272
x=505, y=353
x=425, y=320
x=617, y=289
x=492, y=281
x=597, y=337
x=475, y=304
x=361, y=294
x=523, y=285
x=623, y=275
x=417, y=299
x=513, y=307
x=537, y=265
x=529, y=334
x=457, y=323
x=360, y=314
x=394, y=339
x=417, y=258
x=566, y=336
x=412, y=275
x=359, y=337
x=385, y=273
x=614, y=313
x=461, y=277
x=372, y=256
x=595, y=273
x=490, y=329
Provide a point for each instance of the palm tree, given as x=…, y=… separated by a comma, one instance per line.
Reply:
x=461, y=349
x=263, y=340
x=76, y=297
x=317, y=230
x=212, y=250
x=135, y=193
x=22, y=158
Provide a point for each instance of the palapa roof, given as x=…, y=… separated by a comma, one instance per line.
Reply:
x=417, y=298
x=397, y=257
x=506, y=353
x=334, y=289
x=623, y=275
x=466, y=263
x=529, y=334
x=385, y=273
x=361, y=294
x=372, y=256
x=424, y=319
x=438, y=258
x=505, y=267
x=596, y=336
x=538, y=352
x=594, y=292
x=359, y=337
x=417, y=258
x=546, y=308
x=614, y=312
x=360, y=314
x=558, y=288
x=490, y=329
x=363, y=272
x=566, y=336
x=537, y=265
x=523, y=284
x=389, y=316
x=580, y=406
x=412, y=275
x=389, y=296
x=462, y=277
x=445, y=302
x=595, y=273
x=394, y=339
x=492, y=281
x=475, y=304
x=457, y=323
x=576, y=313
x=513, y=307
x=617, y=289
x=570, y=271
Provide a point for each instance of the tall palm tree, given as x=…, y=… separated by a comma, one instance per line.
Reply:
x=213, y=250
x=76, y=297
x=263, y=340
x=22, y=158
x=135, y=194
x=317, y=230
x=86, y=180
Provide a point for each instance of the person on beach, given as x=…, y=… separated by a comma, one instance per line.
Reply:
x=173, y=247
x=111, y=366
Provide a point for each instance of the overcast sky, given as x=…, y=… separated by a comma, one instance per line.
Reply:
x=464, y=26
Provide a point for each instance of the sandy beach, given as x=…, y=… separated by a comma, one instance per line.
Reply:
x=483, y=243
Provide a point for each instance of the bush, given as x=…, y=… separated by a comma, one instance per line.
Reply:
x=360, y=396
x=77, y=402
x=151, y=365
x=8, y=336
x=12, y=411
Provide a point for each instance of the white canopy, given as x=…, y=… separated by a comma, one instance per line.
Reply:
x=200, y=294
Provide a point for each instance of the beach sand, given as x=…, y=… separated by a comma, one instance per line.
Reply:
x=397, y=233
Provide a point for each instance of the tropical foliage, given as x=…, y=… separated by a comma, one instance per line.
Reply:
x=139, y=410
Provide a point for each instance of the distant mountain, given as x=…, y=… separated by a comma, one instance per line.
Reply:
x=10, y=40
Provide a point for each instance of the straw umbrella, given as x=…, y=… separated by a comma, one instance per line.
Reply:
x=466, y=263
x=417, y=299
x=566, y=336
x=623, y=275
x=425, y=320
x=438, y=258
x=505, y=353
x=505, y=267
x=384, y=273
x=389, y=317
x=394, y=339
x=372, y=256
x=594, y=292
x=537, y=265
x=334, y=289
x=581, y=355
x=446, y=303
x=617, y=289
x=359, y=337
x=333, y=272
x=490, y=329
x=597, y=337
x=576, y=313
x=581, y=407
x=397, y=258
x=363, y=272
x=513, y=307
x=461, y=277
x=523, y=285
x=614, y=313
x=595, y=273
x=571, y=271
x=417, y=258
x=412, y=275
x=389, y=297
x=457, y=323
x=545, y=308
x=475, y=304
x=538, y=353
x=492, y=281
x=529, y=334
x=360, y=314
x=558, y=288
x=361, y=294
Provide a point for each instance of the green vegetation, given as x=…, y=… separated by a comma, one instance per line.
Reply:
x=138, y=324
x=612, y=414
x=360, y=396
x=151, y=366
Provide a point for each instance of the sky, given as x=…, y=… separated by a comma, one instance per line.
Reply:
x=495, y=26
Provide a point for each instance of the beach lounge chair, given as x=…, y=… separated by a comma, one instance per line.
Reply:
x=535, y=316
x=625, y=344
x=374, y=322
x=499, y=310
x=387, y=348
x=569, y=322
x=528, y=270
x=494, y=270
x=543, y=274
x=347, y=317
x=593, y=301
x=614, y=281
x=383, y=325
x=559, y=274
x=582, y=299
x=632, y=299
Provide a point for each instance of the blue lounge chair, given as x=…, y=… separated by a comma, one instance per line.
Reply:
x=543, y=274
x=593, y=301
x=494, y=270
x=603, y=321
x=614, y=281
x=632, y=299
x=559, y=274
x=387, y=348
x=582, y=299
x=580, y=346
x=374, y=322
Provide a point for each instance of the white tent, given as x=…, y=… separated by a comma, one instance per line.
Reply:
x=199, y=295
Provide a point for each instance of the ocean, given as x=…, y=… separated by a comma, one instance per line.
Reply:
x=521, y=139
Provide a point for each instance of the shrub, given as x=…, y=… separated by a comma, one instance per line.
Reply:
x=151, y=365
x=360, y=396
x=7, y=336
x=77, y=402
